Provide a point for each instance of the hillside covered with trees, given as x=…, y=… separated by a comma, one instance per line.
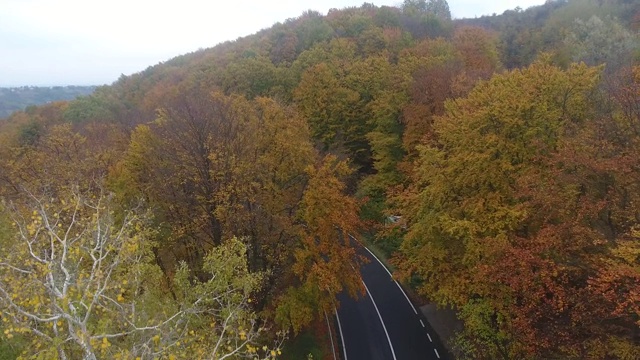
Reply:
x=203, y=205
x=19, y=98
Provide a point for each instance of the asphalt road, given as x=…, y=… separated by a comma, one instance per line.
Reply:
x=384, y=324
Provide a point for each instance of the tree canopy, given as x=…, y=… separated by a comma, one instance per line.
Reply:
x=205, y=205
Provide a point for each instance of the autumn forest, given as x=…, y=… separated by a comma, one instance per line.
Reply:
x=202, y=207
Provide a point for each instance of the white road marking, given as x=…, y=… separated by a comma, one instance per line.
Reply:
x=380, y=316
x=344, y=347
x=333, y=348
x=376, y=307
x=389, y=272
x=374, y=255
x=406, y=297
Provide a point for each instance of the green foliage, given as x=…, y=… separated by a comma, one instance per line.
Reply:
x=326, y=104
x=389, y=241
x=386, y=139
x=311, y=29
x=88, y=108
x=424, y=18
x=373, y=204
x=601, y=42
x=387, y=17
x=438, y=8
x=298, y=307
x=302, y=346
x=482, y=337
x=252, y=77
x=20, y=98
x=11, y=349
x=30, y=133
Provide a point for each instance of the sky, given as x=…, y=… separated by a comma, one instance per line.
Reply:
x=93, y=42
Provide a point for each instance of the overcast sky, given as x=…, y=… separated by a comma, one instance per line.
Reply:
x=92, y=42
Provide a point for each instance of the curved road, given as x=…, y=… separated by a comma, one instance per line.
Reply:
x=384, y=324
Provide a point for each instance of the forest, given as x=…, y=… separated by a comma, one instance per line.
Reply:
x=202, y=207
x=19, y=98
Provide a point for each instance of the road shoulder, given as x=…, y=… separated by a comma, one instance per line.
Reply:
x=444, y=322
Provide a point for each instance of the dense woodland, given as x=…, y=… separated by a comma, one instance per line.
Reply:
x=202, y=206
x=19, y=98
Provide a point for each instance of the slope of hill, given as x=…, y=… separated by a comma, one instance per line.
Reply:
x=508, y=145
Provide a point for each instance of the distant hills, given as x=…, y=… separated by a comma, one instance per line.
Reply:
x=18, y=98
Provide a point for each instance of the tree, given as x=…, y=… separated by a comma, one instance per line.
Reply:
x=222, y=166
x=214, y=166
x=598, y=41
x=470, y=219
x=89, y=108
x=325, y=262
x=60, y=156
x=334, y=111
x=433, y=64
x=479, y=53
x=426, y=18
x=78, y=280
x=311, y=28
x=184, y=164
x=439, y=8
x=251, y=77
x=285, y=43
